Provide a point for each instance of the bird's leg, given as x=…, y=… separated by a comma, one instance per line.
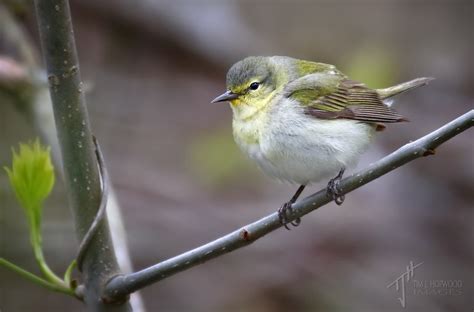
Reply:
x=286, y=207
x=333, y=190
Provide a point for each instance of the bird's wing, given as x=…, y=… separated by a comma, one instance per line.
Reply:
x=331, y=95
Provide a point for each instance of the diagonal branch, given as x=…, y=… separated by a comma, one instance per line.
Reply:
x=122, y=285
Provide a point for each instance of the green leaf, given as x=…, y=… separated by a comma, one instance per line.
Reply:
x=32, y=177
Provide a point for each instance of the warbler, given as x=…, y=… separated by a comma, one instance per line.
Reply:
x=304, y=121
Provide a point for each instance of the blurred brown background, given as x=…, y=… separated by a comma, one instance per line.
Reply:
x=151, y=69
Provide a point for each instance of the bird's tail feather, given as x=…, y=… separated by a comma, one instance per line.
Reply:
x=402, y=87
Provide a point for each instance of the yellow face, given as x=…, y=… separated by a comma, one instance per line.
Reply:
x=254, y=93
x=251, y=85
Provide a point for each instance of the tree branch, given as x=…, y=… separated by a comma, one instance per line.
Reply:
x=38, y=111
x=79, y=162
x=122, y=285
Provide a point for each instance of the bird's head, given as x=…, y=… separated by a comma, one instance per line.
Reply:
x=251, y=84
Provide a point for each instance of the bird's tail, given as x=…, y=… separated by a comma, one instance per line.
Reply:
x=402, y=87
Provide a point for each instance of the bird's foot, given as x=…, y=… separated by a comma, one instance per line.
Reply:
x=284, y=212
x=333, y=189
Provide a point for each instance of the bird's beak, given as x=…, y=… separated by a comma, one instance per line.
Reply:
x=227, y=96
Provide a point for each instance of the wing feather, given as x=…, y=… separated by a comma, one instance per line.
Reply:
x=349, y=100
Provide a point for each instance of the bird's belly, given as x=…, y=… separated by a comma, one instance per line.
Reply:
x=291, y=146
x=312, y=150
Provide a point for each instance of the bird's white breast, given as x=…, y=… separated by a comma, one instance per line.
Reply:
x=294, y=147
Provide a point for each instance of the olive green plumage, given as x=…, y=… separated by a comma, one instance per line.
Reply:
x=329, y=94
x=302, y=121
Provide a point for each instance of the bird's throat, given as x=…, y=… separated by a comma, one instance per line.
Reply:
x=247, y=110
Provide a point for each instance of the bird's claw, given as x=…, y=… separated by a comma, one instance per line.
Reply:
x=283, y=213
x=333, y=189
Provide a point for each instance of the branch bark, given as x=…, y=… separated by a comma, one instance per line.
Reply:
x=122, y=285
x=79, y=162
x=38, y=111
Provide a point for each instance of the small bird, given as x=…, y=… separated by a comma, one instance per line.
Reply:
x=304, y=121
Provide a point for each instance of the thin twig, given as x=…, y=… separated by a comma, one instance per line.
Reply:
x=36, y=279
x=122, y=285
x=86, y=240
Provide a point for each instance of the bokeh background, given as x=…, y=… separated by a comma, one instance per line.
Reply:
x=150, y=69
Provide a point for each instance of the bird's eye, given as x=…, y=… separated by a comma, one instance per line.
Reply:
x=254, y=86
